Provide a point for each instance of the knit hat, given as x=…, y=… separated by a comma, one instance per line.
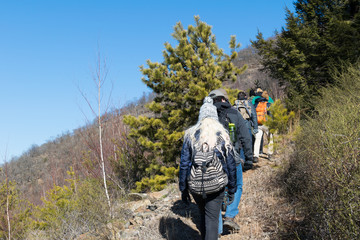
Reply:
x=208, y=110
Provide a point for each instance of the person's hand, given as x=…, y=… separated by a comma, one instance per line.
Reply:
x=185, y=197
x=231, y=198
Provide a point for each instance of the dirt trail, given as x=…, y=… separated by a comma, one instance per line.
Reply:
x=264, y=212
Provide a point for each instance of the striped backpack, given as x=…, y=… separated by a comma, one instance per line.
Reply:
x=207, y=174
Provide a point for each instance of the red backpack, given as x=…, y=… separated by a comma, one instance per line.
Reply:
x=261, y=112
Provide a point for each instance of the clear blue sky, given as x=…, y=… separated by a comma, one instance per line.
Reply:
x=48, y=51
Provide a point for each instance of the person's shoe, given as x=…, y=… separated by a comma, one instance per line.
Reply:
x=255, y=159
x=269, y=157
x=263, y=155
x=230, y=224
x=247, y=165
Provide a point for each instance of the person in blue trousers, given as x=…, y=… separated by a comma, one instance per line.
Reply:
x=227, y=114
x=232, y=210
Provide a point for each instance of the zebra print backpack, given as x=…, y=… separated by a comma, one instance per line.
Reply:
x=207, y=174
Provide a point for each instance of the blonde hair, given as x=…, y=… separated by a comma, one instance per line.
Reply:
x=265, y=95
x=207, y=130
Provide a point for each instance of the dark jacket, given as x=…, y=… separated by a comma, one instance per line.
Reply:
x=186, y=161
x=227, y=114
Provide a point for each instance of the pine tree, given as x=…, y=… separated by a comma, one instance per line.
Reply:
x=188, y=73
x=319, y=37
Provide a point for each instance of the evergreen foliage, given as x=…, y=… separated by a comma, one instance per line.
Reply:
x=130, y=164
x=159, y=177
x=280, y=120
x=188, y=73
x=325, y=171
x=318, y=37
x=68, y=211
x=19, y=212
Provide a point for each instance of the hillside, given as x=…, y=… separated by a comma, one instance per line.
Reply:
x=41, y=167
x=38, y=169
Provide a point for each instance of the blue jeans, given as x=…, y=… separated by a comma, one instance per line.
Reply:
x=233, y=209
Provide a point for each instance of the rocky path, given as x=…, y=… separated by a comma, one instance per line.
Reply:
x=264, y=213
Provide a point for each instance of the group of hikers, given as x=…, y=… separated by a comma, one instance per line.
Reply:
x=226, y=140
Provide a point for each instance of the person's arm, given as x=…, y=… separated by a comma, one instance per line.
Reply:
x=253, y=101
x=244, y=137
x=253, y=116
x=231, y=170
x=271, y=100
x=268, y=106
x=185, y=163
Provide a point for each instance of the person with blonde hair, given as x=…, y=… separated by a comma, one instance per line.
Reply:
x=207, y=147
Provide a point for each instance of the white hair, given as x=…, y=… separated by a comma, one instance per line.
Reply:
x=207, y=130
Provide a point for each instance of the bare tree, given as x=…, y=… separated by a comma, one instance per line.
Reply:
x=7, y=196
x=7, y=202
x=99, y=79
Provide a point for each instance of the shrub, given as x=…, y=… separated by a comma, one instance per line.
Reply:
x=325, y=172
x=73, y=209
x=160, y=176
x=281, y=119
x=17, y=209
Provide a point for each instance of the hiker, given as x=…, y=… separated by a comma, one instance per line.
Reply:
x=262, y=101
x=251, y=94
x=248, y=112
x=227, y=114
x=207, y=149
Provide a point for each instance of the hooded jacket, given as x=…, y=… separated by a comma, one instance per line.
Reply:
x=227, y=114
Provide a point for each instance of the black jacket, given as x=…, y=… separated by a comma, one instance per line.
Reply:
x=227, y=114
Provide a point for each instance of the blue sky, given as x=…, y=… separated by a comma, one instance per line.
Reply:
x=48, y=52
